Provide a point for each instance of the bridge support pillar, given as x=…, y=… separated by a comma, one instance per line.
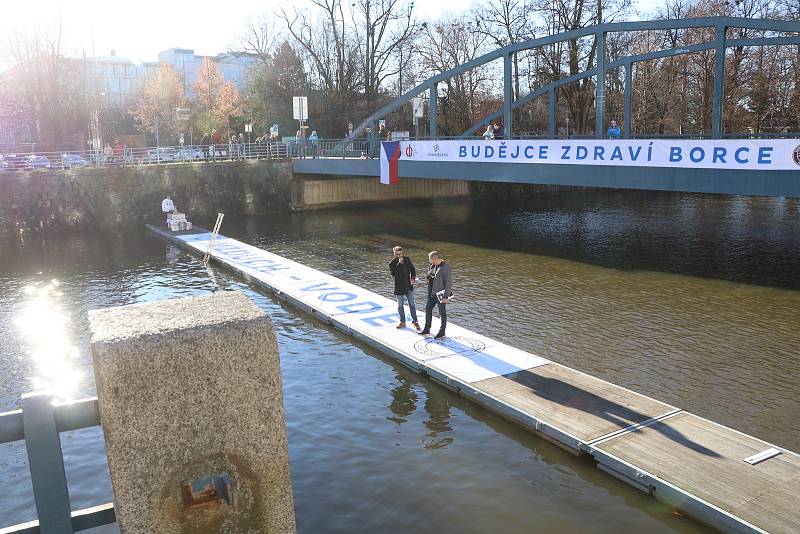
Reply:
x=433, y=104
x=626, y=131
x=600, y=98
x=508, y=97
x=719, y=84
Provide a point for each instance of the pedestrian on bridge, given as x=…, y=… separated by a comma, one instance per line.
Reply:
x=204, y=142
x=489, y=133
x=440, y=291
x=614, y=131
x=404, y=274
x=314, y=139
x=497, y=132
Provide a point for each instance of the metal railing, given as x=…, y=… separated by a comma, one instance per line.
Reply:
x=39, y=423
x=292, y=148
x=124, y=156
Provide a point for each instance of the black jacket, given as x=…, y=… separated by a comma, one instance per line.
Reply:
x=403, y=274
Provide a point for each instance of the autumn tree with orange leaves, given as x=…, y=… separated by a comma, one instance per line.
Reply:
x=215, y=100
x=155, y=108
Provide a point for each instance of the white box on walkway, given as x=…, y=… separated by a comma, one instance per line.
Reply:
x=192, y=411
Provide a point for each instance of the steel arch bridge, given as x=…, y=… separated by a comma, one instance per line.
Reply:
x=719, y=44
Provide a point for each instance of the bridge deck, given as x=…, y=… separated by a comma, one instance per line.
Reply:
x=688, y=462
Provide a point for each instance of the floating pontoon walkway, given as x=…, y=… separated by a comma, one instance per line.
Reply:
x=715, y=474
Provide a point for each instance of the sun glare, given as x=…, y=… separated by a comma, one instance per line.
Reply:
x=43, y=324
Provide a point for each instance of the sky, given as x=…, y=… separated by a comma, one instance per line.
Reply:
x=141, y=29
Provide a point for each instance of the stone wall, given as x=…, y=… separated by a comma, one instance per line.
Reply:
x=97, y=197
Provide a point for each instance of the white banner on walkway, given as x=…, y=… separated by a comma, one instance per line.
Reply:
x=751, y=154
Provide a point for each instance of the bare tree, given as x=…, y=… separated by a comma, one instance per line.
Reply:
x=261, y=37
x=566, y=59
x=445, y=45
x=44, y=86
x=328, y=43
x=381, y=27
x=506, y=22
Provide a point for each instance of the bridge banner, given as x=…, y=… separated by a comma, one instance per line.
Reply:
x=752, y=154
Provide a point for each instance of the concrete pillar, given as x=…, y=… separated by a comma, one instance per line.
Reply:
x=192, y=412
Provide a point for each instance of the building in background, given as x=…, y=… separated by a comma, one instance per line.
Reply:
x=233, y=66
x=110, y=86
x=118, y=79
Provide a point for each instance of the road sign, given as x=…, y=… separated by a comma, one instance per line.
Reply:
x=418, y=105
x=300, y=107
x=248, y=128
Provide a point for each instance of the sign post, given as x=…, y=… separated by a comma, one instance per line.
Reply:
x=300, y=109
x=418, y=108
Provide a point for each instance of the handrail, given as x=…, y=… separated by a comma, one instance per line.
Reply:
x=75, y=159
x=72, y=415
x=39, y=423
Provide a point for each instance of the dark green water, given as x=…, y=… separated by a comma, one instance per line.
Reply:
x=694, y=300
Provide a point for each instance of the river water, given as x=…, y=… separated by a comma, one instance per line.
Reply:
x=691, y=299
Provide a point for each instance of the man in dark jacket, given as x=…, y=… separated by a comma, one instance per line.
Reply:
x=440, y=289
x=404, y=274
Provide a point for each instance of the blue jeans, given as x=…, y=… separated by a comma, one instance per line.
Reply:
x=401, y=310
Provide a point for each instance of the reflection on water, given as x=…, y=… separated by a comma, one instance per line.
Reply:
x=404, y=400
x=437, y=423
x=43, y=326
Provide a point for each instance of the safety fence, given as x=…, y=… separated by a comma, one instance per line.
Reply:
x=293, y=148
x=126, y=156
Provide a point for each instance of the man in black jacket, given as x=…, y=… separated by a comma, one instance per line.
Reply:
x=404, y=274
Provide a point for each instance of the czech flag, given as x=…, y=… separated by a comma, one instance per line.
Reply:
x=390, y=158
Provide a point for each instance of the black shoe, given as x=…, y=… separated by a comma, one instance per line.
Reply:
x=440, y=335
x=425, y=332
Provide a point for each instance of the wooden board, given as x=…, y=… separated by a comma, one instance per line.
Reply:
x=706, y=460
x=579, y=404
